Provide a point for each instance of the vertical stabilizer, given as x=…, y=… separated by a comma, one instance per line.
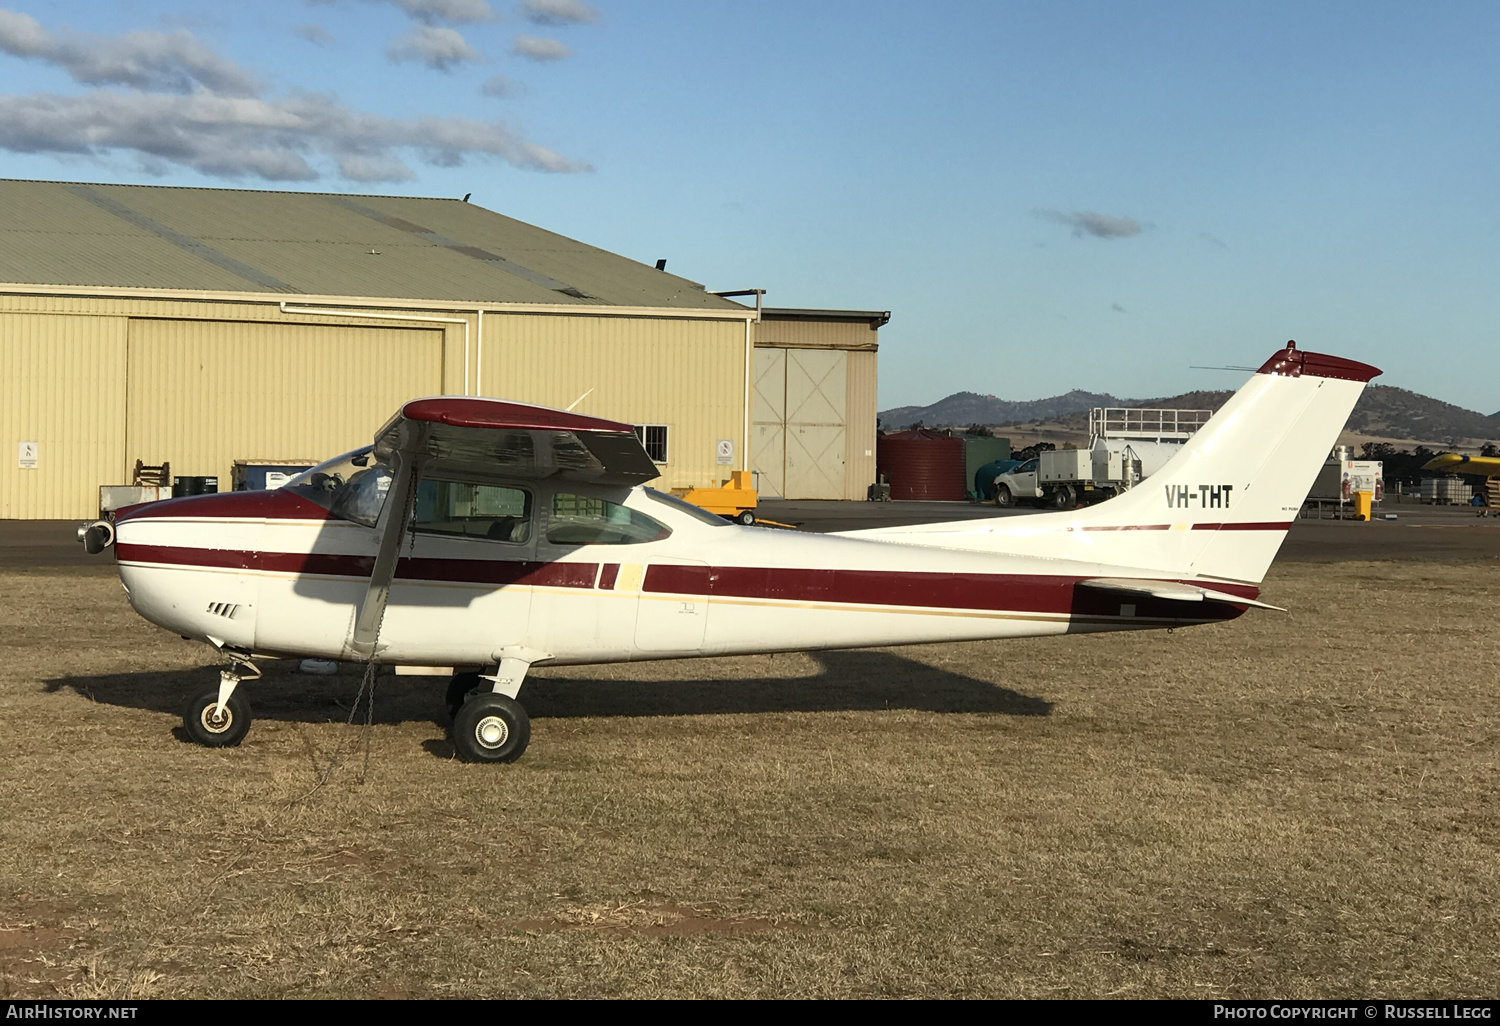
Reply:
x=1219, y=508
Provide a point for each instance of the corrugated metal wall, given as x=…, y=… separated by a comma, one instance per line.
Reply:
x=811, y=334
x=206, y=383
x=686, y=374
x=205, y=393
x=62, y=386
x=859, y=425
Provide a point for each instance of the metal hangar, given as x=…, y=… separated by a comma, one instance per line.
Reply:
x=205, y=326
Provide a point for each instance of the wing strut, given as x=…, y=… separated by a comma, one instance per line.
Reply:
x=399, y=504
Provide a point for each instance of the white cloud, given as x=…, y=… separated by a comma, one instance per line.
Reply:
x=313, y=34
x=438, y=48
x=557, y=12
x=458, y=11
x=172, y=61
x=1088, y=222
x=281, y=140
x=540, y=49
x=501, y=87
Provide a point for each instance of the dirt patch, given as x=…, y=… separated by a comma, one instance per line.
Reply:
x=35, y=952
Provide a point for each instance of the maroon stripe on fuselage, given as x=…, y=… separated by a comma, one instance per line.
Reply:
x=608, y=576
x=992, y=592
x=1263, y=526
x=461, y=571
x=1267, y=526
x=276, y=504
x=1010, y=592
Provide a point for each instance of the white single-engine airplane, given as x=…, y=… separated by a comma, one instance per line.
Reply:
x=491, y=537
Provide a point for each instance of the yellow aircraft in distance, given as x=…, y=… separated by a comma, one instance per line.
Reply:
x=1487, y=467
x=1453, y=463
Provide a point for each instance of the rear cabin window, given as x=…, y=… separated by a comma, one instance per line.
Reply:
x=465, y=510
x=584, y=520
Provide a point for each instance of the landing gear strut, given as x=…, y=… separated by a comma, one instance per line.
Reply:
x=489, y=725
x=220, y=718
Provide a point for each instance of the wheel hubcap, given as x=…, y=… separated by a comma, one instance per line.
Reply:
x=216, y=724
x=491, y=732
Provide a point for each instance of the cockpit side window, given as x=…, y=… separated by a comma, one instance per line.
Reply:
x=585, y=520
x=468, y=510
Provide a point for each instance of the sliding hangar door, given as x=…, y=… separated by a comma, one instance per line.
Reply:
x=813, y=403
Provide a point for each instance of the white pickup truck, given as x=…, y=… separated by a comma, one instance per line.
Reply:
x=1063, y=478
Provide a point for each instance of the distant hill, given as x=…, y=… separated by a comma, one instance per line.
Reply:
x=1383, y=411
x=964, y=408
x=1391, y=412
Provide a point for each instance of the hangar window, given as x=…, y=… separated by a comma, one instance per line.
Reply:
x=585, y=520
x=473, y=511
x=654, y=438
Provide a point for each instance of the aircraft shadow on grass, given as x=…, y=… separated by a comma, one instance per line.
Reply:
x=848, y=681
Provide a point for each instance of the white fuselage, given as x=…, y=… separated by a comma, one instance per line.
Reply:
x=276, y=576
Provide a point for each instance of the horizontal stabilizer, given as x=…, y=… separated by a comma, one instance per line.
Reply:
x=1174, y=591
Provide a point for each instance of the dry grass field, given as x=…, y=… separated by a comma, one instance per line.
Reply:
x=1287, y=805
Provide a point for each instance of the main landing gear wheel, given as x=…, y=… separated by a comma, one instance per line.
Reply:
x=491, y=728
x=745, y=517
x=223, y=730
x=459, y=689
x=1003, y=498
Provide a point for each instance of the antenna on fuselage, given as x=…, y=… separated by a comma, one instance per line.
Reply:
x=580, y=399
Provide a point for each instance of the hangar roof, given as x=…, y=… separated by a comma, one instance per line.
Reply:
x=304, y=243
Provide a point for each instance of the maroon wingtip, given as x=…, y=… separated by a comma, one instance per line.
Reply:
x=1292, y=362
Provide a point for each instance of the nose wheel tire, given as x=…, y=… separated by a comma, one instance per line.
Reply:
x=491, y=728
x=224, y=730
x=459, y=689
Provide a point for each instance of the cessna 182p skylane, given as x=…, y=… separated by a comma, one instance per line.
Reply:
x=491, y=537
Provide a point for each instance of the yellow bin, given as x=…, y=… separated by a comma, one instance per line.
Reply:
x=1363, y=505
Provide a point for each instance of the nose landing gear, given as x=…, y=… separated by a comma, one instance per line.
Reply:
x=221, y=718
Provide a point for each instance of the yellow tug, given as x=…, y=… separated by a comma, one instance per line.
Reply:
x=736, y=498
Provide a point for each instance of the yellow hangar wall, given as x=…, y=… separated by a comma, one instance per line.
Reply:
x=686, y=374
x=94, y=383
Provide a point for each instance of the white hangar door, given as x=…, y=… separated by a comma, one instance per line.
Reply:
x=203, y=394
x=768, y=444
x=800, y=422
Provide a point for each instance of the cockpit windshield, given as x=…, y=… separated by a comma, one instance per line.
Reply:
x=351, y=487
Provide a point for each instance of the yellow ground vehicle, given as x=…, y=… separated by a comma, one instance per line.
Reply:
x=736, y=498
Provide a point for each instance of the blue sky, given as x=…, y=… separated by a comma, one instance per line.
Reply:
x=1046, y=195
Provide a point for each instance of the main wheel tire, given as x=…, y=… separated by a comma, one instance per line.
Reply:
x=745, y=517
x=225, y=730
x=459, y=689
x=1003, y=498
x=491, y=728
x=1062, y=498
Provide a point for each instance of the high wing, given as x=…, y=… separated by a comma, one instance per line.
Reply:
x=1454, y=463
x=466, y=434
x=516, y=439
